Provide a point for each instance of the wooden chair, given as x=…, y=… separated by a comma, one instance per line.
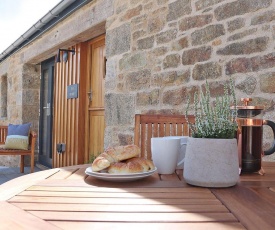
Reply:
x=22, y=153
x=148, y=125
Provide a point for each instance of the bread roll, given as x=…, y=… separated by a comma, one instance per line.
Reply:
x=115, y=154
x=133, y=165
x=124, y=152
x=145, y=163
x=101, y=162
x=123, y=167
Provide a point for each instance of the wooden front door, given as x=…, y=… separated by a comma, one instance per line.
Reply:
x=95, y=93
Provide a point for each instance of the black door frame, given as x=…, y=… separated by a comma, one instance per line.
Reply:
x=45, y=136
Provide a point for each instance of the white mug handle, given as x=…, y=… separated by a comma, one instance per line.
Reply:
x=179, y=163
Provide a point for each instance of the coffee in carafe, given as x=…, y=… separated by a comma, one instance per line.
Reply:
x=251, y=148
x=250, y=136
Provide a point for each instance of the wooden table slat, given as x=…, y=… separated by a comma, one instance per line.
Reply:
x=169, y=177
x=119, y=190
x=70, y=225
x=93, y=182
x=135, y=217
x=266, y=194
x=15, y=186
x=195, y=195
x=252, y=211
x=69, y=199
x=138, y=226
x=122, y=208
x=84, y=200
x=63, y=174
x=259, y=184
x=79, y=174
x=15, y=218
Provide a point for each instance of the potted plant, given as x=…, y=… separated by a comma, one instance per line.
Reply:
x=211, y=158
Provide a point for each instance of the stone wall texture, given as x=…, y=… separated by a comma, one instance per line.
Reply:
x=161, y=51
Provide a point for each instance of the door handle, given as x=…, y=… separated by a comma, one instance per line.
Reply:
x=90, y=95
x=48, y=107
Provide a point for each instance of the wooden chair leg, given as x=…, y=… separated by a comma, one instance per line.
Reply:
x=22, y=164
x=32, y=163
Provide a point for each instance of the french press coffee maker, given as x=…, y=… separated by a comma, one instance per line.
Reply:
x=250, y=134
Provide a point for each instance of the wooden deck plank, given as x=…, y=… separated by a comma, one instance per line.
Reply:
x=84, y=200
x=252, y=211
x=122, y=208
x=135, y=217
x=137, y=226
x=14, y=218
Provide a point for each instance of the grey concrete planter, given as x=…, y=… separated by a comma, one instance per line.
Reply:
x=211, y=162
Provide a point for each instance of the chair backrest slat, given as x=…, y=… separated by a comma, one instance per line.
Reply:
x=3, y=134
x=149, y=125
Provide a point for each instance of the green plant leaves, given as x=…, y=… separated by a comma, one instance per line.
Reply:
x=216, y=119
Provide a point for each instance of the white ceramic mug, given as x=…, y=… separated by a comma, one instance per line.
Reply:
x=165, y=153
x=182, y=151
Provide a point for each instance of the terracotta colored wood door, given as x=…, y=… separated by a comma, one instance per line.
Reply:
x=95, y=94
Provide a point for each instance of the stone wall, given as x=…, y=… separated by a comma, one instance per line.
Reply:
x=3, y=97
x=161, y=51
x=22, y=100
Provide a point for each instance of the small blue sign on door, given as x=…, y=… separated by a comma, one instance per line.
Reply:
x=72, y=91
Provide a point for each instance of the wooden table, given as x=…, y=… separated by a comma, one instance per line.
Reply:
x=66, y=198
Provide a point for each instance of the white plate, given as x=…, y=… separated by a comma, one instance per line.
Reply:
x=119, y=177
x=90, y=172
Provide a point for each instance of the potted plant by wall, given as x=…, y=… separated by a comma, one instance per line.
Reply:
x=211, y=158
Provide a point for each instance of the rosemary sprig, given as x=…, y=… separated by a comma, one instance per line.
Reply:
x=214, y=120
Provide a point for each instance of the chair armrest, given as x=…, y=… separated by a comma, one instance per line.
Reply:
x=33, y=136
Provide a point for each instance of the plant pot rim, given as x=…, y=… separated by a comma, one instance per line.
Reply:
x=207, y=138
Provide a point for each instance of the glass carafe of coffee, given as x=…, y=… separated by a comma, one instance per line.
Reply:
x=250, y=135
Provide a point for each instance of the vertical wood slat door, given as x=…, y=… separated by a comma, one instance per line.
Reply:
x=69, y=113
x=95, y=95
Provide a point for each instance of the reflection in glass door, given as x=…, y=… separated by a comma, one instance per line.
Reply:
x=46, y=113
